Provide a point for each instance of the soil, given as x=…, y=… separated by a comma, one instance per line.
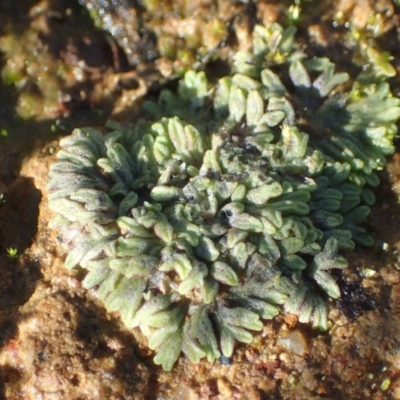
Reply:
x=60, y=71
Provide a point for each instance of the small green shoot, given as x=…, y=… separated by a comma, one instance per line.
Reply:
x=293, y=13
x=12, y=253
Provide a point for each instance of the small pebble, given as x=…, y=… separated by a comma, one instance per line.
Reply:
x=224, y=388
x=295, y=342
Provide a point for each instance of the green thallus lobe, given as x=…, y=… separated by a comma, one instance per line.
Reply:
x=200, y=225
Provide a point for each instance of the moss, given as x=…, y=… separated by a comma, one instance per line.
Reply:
x=232, y=203
x=177, y=31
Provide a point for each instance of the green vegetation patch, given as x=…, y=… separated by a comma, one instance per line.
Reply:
x=231, y=204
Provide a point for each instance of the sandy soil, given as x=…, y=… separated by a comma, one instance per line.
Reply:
x=56, y=339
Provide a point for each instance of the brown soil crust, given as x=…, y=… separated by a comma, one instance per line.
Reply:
x=56, y=339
